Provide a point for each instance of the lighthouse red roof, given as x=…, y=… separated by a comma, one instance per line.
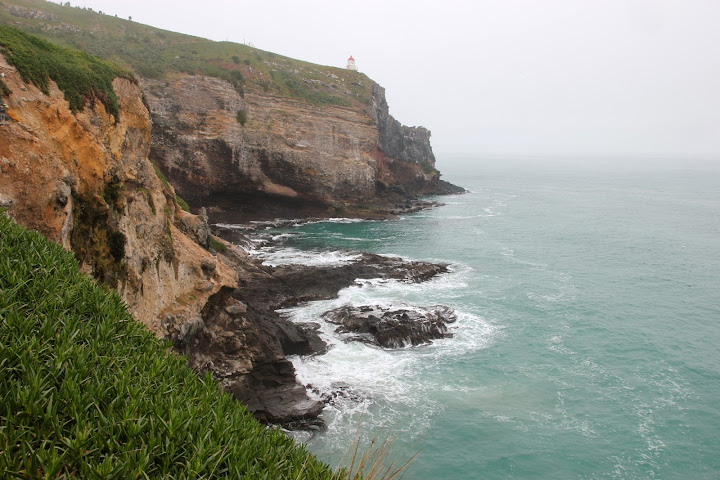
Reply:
x=351, y=58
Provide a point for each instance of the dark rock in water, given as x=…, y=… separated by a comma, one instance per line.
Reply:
x=339, y=392
x=446, y=188
x=244, y=341
x=245, y=350
x=324, y=282
x=392, y=327
x=274, y=399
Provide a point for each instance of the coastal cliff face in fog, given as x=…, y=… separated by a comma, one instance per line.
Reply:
x=287, y=151
x=240, y=132
x=238, y=129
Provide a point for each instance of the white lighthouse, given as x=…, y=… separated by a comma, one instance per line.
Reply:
x=351, y=64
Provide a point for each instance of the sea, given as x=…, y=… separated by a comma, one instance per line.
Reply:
x=587, y=344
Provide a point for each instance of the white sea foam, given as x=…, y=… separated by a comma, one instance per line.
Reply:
x=298, y=222
x=275, y=256
x=396, y=383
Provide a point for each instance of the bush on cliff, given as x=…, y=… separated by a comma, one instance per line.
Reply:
x=80, y=76
x=87, y=392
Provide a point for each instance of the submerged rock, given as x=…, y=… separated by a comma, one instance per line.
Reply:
x=392, y=327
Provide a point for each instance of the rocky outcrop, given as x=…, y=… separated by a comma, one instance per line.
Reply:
x=409, y=144
x=394, y=327
x=244, y=342
x=285, y=156
x=83, y=179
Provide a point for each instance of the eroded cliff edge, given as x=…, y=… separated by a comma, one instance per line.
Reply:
x=288, y=156
x=84, y=180
x=247, y=145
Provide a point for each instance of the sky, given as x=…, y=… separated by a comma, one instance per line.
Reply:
x=500, y=77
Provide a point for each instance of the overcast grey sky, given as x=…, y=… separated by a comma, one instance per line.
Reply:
x=534, y=77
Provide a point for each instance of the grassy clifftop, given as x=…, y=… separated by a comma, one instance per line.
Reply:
x=87, y=392
x=79, y=75
x=155, y=53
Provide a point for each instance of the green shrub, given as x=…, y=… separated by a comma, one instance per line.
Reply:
x=161, y=176
x=80, y=76
x=217, y=245
x=183, y=204
x=242, y=117
x=87, y=392
x=428, y=169
x=4, y=90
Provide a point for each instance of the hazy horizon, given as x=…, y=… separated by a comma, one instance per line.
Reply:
x=599, y=77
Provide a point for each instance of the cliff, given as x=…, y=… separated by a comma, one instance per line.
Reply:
x=248, y=133
x=287, y=155
x=84, y=180
x=244, y=133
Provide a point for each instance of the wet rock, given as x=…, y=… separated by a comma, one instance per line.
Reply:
x=392, y=327
x=245, y=341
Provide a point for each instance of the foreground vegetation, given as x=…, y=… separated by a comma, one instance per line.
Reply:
x=80, y=76
x=87, y=392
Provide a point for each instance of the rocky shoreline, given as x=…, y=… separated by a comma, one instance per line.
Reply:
x=244, y=342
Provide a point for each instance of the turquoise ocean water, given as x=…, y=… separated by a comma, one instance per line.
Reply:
x=588, y=339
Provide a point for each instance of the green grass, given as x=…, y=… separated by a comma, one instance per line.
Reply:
x=87, y=392
x=155, y=53
x=183, y=204
x=80, y=76
x=217, y=245
x=161, y=176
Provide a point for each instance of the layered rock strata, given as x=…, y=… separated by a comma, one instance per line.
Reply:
x=288, y=157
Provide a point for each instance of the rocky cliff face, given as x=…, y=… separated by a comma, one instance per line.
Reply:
x=84, y=180
x=285, y=155
x=294, y=140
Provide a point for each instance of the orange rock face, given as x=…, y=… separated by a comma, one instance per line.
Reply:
x=84, y=180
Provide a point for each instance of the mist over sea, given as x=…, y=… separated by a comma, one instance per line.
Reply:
x=587, y=344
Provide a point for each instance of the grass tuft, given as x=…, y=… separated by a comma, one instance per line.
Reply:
x=217, y=245
x=183, y=204
x=382, y=459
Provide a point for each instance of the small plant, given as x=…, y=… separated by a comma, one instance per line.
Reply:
x=183, y=204
x=236, y=59
x=428, y=169
x=161, y=176
x=242, y=117
x=4, y=90
x=217, y=245
x=382, y=459
x=112, y=191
